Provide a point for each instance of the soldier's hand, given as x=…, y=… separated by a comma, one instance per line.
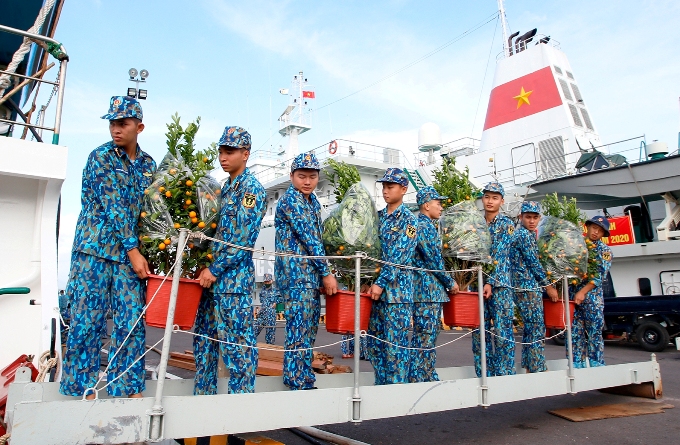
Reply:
x=139, y=263
x=552, y=294
x=206, y=278
x=487, y=291
x=579, y=297
x=330, y=284
x=376, y=291
x=454, y=290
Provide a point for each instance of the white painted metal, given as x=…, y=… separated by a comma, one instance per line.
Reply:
x=429, y=137
x=656, y=148
x=631, y=262
x=39, y=418
x=29, y=197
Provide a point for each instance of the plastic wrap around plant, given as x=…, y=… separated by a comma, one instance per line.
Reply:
x=182, y=195
x=562, y=249
x=353, y=226
x=465, y=234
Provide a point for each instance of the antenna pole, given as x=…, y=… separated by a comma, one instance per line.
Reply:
x=504, y=24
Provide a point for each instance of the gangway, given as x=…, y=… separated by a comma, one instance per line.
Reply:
x=36, y=413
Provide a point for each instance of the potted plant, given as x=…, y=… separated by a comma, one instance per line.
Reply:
x=351, y=227
x=182, y=195
x=465, y=241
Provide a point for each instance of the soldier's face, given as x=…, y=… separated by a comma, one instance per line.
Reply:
x=124, y=131
x=594, y=232
x=233, y=159
x=530, y=221
x=305, y=180
x=492, y=202
x=432, y=209
x=393, y=192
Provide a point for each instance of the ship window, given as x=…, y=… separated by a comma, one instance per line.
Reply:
x=645, y=286
x=577, y=93
x=586, y=119
x=565, y=89
x=558, y=70
x=574, y=114
x=551, y=157
x=569, y=75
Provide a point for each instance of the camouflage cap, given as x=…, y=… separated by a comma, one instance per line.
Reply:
x=396, y=176
x=427, y=194
x=235, y=137
x=268, y=277
x=305, y=161
x=601, y=221
x=122, y=107
x=531, y=207
x=494, y=187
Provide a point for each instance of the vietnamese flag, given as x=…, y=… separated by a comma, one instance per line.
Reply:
x=308, y=94
x=522, y=97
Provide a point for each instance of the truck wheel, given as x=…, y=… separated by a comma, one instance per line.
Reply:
x=652, y=336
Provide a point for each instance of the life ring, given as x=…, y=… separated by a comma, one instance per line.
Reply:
x=333, y=147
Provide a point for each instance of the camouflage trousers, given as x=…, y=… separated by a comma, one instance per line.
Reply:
x=426, y=325
x=266, y=317
x=96, y=286
x=302, y=312
x=206, y=351
x=500, y=347
x=530, y=305
x=389, y=322
x=586, y=332
x=347, y=346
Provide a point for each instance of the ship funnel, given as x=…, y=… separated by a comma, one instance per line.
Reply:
x=429, y=137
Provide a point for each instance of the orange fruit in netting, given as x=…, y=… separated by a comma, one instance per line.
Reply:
x=161, y=246
x=168, y=194
x=189, y=183
x=205, y=159
x=191, y=246
x=167, y=241
x=188, y=192
x=201, y=224
x=446, y=246
x=213, y=225
x=161, y=189
x=194, y=220
x=143, y=214
x=217, y=191
x=188, y=202
x=341, y=247
x=209, y=256
x=177, y=226
x=192, y=214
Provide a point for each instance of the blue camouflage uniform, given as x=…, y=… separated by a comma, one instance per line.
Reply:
x=429, y=292
x=298, y=231
x=227, y=309
x=391, y=314
x=529, y=276
x=586, y=332
x=266, y=317
x=347, y=347
x=498, y=309
x=101, y=275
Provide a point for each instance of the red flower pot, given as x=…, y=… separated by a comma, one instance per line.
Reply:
x=462, y=310
x=340, y=312
x=554, y=313
x=188, y=298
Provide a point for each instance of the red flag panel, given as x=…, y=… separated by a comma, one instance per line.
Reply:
x=522, y=97
x=308, y=94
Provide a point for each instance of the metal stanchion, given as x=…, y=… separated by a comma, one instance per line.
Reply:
x=156, y=413
x=570, y=352
x=482, y=336
x=356, y=396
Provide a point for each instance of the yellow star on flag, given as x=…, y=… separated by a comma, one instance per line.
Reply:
x=523, y=97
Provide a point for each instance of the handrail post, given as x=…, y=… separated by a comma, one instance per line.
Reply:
x=570, y=352
x=60, y=101
x=482, y=338
x=356, y=395
x=156, y=413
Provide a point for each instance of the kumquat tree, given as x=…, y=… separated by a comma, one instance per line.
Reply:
x=182, y=195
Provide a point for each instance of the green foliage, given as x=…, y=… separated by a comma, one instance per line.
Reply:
x=451, y=182
x=562, y=209
x=342, y=176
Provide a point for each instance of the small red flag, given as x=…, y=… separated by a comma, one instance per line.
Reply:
x=522, y=97
x=308, y=94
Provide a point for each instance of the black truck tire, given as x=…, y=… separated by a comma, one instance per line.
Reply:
x=652, y=337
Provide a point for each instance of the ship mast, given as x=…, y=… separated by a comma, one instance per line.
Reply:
x=504, y=24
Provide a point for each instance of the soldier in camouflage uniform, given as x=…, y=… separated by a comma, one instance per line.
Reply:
x=429, y=288
x=106, y=266
x=298, y=232
x=498, y=304
x=586, y=331
x=393, y=289
x=231, y=276
x=528, y=280
x=266, y=316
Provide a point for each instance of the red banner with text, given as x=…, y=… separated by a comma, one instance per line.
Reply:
x=620, y=231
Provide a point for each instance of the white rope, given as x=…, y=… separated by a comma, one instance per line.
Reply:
x=25, y=47
x=45, y=363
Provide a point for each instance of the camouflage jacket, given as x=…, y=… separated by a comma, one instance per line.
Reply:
x=429, y=286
